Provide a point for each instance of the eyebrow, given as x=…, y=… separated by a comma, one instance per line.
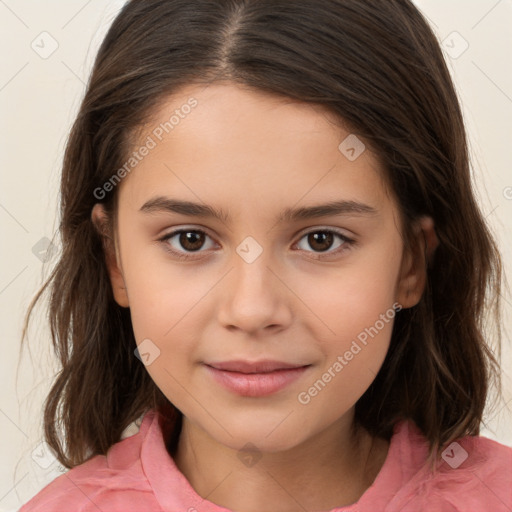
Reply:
x=333, y=208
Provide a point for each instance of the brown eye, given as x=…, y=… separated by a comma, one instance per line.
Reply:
x=185, y=242
x=191, y=240
x=321, y=241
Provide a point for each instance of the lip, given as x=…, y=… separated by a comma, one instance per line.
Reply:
x=255, y=379
x=264, y=366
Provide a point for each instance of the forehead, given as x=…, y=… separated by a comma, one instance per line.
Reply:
x=240, y=145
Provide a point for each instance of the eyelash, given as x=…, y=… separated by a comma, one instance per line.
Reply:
x=347, y=243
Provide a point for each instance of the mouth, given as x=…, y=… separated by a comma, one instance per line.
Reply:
x=255, y=379
x=265, y=366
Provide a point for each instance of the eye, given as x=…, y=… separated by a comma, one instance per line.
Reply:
x=186, y=241
x=322, y=240
x=183, y=243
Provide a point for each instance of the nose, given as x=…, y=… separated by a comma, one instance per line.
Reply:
x=254, y=299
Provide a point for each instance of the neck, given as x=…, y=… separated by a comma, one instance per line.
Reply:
x=332, y=469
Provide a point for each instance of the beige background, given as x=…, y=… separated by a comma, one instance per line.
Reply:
x=39, y=96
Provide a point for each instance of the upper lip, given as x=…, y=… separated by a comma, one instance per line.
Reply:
x=254, y=367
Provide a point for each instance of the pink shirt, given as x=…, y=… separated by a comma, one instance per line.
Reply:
x=138, y=474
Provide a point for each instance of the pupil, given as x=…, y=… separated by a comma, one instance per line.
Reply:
x=191, y=240
x=321, y=239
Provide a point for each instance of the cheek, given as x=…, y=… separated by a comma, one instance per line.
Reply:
x=356, y=307
x=167, y=302
x=162, y=294
x=352, y=361
x=352, y=296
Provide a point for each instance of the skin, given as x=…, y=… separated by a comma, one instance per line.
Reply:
x=253, y=155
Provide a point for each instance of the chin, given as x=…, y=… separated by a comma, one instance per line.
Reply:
x=267, y=436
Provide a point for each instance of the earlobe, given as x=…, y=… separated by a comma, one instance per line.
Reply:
x=101, y=222
x=413, y=272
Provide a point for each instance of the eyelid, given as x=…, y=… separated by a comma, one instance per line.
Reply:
x=180, y=229
x=315, y=229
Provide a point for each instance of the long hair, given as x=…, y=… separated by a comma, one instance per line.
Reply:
x=378, y=67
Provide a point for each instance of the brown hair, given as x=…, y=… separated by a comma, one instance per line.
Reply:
x=378, y=67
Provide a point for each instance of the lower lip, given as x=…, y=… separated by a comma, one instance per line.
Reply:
x=256, y=384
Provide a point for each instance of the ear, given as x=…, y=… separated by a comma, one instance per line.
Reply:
x=102, y=224
x=413, y=272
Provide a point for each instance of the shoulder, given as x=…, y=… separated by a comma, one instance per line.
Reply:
x=473, y=474
x=111, y=482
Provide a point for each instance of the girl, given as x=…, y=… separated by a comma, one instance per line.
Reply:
x=274, y=263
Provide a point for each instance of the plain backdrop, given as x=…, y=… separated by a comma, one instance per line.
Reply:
x=47, y=52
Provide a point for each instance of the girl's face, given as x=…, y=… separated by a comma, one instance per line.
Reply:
x=254, y=229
